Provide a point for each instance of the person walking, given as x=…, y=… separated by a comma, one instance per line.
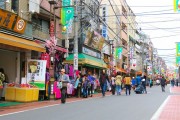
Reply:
x=163, y=83
x=118, y=81
x=127, y=81
x=113, y=85
x=150, y=83
x=133, y=82
x=91, y=84
x=144, y=84
x=103, y=82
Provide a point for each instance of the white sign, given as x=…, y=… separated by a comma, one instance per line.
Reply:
x=75, y=61
x=36, y=70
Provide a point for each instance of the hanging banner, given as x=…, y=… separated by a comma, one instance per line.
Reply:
x=67, y=14
x=118, y=52
x=177, y=60
x=36, y=70
x=66, y=3
x=176, y=5
x=177, y=49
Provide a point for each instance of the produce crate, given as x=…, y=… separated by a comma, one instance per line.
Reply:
x=10, y=94
x=35, y=94
x=24, y=94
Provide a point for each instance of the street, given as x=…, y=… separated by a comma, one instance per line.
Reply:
x=133, y=107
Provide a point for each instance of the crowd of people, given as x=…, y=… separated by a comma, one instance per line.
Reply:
x=85, y=85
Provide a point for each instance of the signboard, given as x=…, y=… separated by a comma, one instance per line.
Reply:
x=11, y=21
x=75, y=61
x=91, y=52
x=36, y=70
x=94, y=40
x=104, y=18
x=177, y=49
x=66, y=3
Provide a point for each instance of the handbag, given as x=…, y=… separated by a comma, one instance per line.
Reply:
x=59, y=85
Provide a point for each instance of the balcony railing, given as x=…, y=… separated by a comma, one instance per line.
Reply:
x=40, y=32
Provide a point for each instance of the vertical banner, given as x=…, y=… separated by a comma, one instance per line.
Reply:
x=176, y=5
x=36, y=70
x=177, y=49
x=118, y=52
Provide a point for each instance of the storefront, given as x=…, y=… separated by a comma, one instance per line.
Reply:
x=87, y=63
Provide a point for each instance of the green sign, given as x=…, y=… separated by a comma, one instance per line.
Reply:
x=177, y=49
x=118, y=52
x=67, y=14
x=176, y=5
x=66, y=3
x=177, y=60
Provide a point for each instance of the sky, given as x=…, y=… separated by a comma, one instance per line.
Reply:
x=163, y=34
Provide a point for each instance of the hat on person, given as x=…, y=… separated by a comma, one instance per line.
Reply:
x=62, y=70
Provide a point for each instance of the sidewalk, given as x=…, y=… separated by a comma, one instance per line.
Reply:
x=170, y=109
x=35, y=105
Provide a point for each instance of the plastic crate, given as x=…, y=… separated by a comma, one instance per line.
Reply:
x=24, y=94
x=10, y=94
x=35, y=94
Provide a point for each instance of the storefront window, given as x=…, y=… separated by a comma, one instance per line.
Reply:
x=14, y=5
x=2, y=4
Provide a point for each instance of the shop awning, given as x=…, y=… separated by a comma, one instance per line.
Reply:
x=121, y=70
x=20, y=42
x=87, y=60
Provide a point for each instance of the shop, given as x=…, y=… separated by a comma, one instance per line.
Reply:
x=15, y=52
x=87, y=63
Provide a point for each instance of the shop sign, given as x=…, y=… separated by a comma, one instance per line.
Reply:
x=75, y=62
x=36, y=70
x=118, y=52
x=11, y=21
x=91, y=52
x=94, y=40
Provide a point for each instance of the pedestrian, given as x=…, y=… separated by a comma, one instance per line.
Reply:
x=172, y=82
x=133, y=83
x=91, y=84
x=143, y=81
x=163, y=83
x=118, y=81
x=85, y=86
x=176, y=82
x=150, y=83
x=127, y=80
x=103, y=82
x=78, y=85
x=113, y=85
x=138, y=80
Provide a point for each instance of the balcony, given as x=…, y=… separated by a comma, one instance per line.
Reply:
x=124, y=35
x=124, y=18
x=39, y=32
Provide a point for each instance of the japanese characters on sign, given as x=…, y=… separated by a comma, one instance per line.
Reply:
x=11, y=21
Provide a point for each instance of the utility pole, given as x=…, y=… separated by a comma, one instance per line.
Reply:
x=76, y=35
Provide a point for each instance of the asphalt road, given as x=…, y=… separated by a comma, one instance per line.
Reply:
x=133, y=107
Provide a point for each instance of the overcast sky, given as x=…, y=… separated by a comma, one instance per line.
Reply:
x=165, y=13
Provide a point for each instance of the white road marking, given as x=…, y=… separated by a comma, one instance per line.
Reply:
x=52, y=105
x=158, y=112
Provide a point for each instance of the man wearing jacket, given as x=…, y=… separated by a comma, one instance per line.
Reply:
x=103, y=82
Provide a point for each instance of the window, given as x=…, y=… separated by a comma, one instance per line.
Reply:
x=14, y=5
x=2, y=4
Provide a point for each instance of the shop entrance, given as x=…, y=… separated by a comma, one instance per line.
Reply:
x=8, y=63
